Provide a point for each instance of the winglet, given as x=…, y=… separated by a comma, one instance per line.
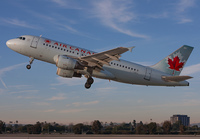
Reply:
x=131, y=48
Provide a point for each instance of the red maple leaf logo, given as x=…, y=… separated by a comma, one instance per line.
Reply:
x=175, y=63
x=47, y=41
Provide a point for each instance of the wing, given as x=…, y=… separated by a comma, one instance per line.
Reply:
x=99, y=59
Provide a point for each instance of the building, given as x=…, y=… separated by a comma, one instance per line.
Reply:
x=185, y=120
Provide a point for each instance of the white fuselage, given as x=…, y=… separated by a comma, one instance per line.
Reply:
x=121, y=71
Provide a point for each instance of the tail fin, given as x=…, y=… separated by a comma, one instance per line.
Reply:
x=174, y=63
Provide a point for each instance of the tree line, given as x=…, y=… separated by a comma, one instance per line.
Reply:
x=97, y=127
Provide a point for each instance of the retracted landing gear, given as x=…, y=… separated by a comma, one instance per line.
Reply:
x=30, y=62
x=89, y=82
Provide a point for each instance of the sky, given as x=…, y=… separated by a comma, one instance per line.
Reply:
x=156, y=28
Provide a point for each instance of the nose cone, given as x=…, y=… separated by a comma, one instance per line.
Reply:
x=8, y=43
x=11, y=44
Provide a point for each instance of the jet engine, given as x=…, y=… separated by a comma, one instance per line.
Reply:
x=67, y=73
x=66, y=63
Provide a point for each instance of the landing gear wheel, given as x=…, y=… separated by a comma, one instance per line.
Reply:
x=28, y=66
x=30, y=62
x=90, y=80
x=87, y=85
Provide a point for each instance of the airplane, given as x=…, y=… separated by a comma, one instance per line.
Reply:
x=72, y=61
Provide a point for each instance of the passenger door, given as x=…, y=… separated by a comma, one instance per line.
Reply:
x=35, y=42
x=148, y=74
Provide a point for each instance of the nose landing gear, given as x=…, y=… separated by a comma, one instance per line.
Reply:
x=89, y=82
x=30, y=62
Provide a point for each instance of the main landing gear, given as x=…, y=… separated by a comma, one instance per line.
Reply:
x=89, y=82
x=30, y=62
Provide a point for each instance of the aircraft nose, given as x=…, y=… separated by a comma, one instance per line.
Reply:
x=8, y=43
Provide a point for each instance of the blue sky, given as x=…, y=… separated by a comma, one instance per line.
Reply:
x=155, y=27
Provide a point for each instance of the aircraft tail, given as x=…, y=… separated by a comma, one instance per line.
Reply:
x=174, y=63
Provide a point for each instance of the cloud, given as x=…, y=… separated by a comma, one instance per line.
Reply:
x=10, y=68
x=2, y=91
x=184, y=5
x=191, y=69
x=77, y=104
x=104, y=89
x=191, y=102
x=69, y=29
x=184, y=20
x=177, y=11
x=41, y=103
x=159, y=15
x=60, y=2
x=50, y=110
x=70, y=81
x=91, y=102
x=67, y=4
x=181, y=103
x=17, y=22
x=3, y=83
x=60, y=22
x=25, y=91
x=58, y=97
x=27, y=97
x=72, y=110
x=116, y=15
x=181, y=10
x=20, y=86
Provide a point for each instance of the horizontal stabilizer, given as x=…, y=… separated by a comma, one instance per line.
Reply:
x=175, y=78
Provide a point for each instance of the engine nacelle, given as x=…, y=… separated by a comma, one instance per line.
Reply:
x=66, y=63
x=67, y=73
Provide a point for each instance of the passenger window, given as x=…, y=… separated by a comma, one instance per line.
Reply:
x=52, y=46
x=46, y=44
x=58, y=48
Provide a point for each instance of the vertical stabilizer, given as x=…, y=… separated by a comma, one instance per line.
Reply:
x=174, y=63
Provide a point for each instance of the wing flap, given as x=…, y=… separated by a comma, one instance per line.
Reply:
x=175, y=78
x=99, y=59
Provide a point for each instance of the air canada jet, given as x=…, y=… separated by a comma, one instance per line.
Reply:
x=72, y=61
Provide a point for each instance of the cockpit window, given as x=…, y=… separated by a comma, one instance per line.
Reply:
x=22, y=38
